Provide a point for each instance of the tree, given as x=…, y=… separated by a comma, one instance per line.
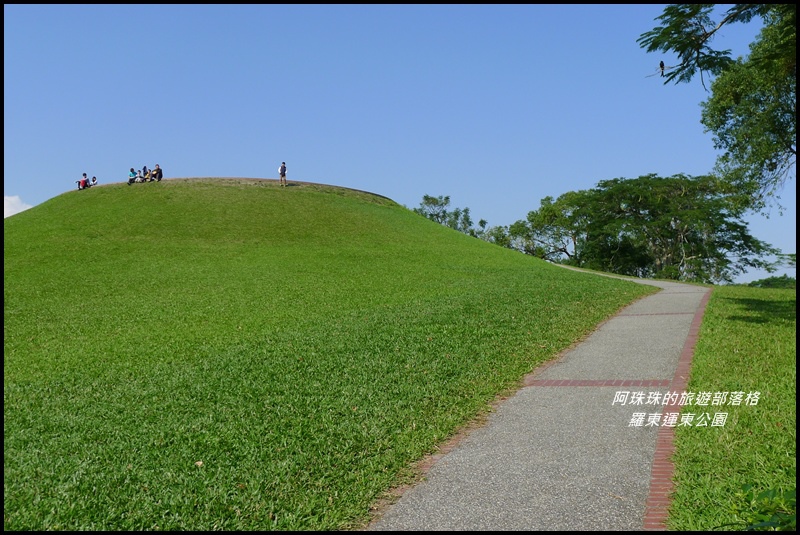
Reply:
x=788, y=259
x=687, y=31
x=554, y=231
x=679, y=227
x=436, y=209
x=752, y=111
x=752, y=115
x=784, y=281
x=497, y=235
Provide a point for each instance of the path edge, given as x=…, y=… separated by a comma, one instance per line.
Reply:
x=661, y=477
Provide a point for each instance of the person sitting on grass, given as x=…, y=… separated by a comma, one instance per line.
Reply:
x=157, y=174
x=132, y=176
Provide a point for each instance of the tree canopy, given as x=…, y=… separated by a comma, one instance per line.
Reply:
x=679, y=227
x=751, y=112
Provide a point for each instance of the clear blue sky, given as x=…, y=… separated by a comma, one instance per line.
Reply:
x=494, y=106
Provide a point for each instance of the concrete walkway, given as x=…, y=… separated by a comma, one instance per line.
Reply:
x=561, y=454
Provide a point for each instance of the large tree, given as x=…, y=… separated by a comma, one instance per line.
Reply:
x=554, y=231
x=679, y=227
x=752, y=110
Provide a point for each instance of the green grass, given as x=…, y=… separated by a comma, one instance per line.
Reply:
x=747, y=343
x=227, y=354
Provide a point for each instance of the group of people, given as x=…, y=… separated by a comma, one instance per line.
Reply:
x=145, y=175
x=84, y=182
x=155, y=175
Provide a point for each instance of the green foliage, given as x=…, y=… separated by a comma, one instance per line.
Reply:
x=752, y=115
x=769, y=510
x=554, y=230
x=436, y=209
x=788, y=259
x=214, y=354
x=784, y=281
x=752, y=111
x=687, y=31
x=678, y=228
x=497, y=235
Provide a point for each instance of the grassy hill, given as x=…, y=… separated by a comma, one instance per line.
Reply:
x=202, y=354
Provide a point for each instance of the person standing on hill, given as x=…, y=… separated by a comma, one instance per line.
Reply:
x=282, y=173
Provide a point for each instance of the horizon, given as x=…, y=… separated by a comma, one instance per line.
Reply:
x=496, y=107
x=240, y=180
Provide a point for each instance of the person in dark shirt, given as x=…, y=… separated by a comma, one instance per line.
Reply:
x=282, y=173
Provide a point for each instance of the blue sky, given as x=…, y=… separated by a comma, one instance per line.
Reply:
x=494, y=106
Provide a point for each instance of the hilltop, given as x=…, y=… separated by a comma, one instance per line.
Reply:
x=226, y=354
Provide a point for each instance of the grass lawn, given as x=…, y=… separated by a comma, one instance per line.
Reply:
x=209, y=354
x=202, y=354
x=747, y=344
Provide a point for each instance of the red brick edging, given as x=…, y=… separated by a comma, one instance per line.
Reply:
x=661, y=484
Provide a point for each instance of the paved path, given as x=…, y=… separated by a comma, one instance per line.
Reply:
x=560, y=454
